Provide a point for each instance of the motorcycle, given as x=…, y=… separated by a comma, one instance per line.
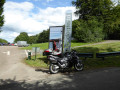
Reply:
x=68, y=61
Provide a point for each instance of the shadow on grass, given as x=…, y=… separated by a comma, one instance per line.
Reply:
x=90, y=63
x=94, y=49
x=87, y=50
x=44, y=59
x=110, y=49
x=94, y=63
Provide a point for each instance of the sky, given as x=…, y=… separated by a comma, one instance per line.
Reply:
x=33, y=16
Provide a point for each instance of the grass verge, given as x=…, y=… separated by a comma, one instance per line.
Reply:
x=94, y=63
x=111, y=47
x=90, y=63
x=44, y=46
x=40, y=62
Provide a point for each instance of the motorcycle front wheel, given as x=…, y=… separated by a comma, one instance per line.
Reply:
x=78, y=66
x=54, y=68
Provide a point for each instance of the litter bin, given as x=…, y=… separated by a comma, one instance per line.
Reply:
x=29, y=55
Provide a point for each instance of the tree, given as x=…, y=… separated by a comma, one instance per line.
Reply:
x=33, y=39
x=104, y=12
x=43, y=36
x=22, y=37
x=88, y=31
x=1, y=13
x=113, y=24
x=86, y=9
x=3, y=41
x=90, y=25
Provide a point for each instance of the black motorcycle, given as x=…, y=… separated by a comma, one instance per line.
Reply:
x=69, y=60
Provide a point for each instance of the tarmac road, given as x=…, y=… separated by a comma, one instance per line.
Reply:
x=15, y=75
x=11, y=65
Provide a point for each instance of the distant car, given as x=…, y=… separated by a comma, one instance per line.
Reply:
x=1, y=44
x=4, y=44
x=22, y=44
x=15, y=44
x=11, y=44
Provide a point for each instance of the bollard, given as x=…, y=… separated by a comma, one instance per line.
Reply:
x=29, y=55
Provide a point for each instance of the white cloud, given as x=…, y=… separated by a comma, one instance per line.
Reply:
x=53, y=16
x=9, y=35
x=20, y=17
x=24, y=6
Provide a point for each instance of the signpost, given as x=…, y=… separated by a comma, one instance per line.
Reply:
x=68, y=31
x=59, y=39
x=56, y=35
x=36, y=50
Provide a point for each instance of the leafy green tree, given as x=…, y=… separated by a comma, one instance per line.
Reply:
x=3, y=41
x=113, y=24
x=88, y=31
x=33, y=39
x=22, y=37
x=43, y=36
x=104, y=12
x=86, y=9
x=1, y=13
x=16, y=39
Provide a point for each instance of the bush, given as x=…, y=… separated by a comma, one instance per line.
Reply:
x=88, y=31
x=3, y=41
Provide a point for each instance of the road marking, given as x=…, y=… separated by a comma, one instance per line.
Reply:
x=8, y=53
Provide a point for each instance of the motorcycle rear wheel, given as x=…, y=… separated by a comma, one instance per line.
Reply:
x=53, y=68
x=78, y=66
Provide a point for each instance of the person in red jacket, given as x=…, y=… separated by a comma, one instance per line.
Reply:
x=54, y=45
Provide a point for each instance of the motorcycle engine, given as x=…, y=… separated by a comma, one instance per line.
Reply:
x=64, y=62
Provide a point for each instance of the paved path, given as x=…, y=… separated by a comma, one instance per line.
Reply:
x=15, y=75
x=12, y=66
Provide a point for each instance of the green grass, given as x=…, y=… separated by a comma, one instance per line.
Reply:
x=41, y=45
x=110, y=47
x=111, y=61
x=73, y=44
x=94, y=63
x=44, y=46
x=90, y=63
x=41, y=62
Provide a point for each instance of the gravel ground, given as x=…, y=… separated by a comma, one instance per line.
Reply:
x=15, y=75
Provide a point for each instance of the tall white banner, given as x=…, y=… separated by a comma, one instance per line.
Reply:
x=68, y=31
